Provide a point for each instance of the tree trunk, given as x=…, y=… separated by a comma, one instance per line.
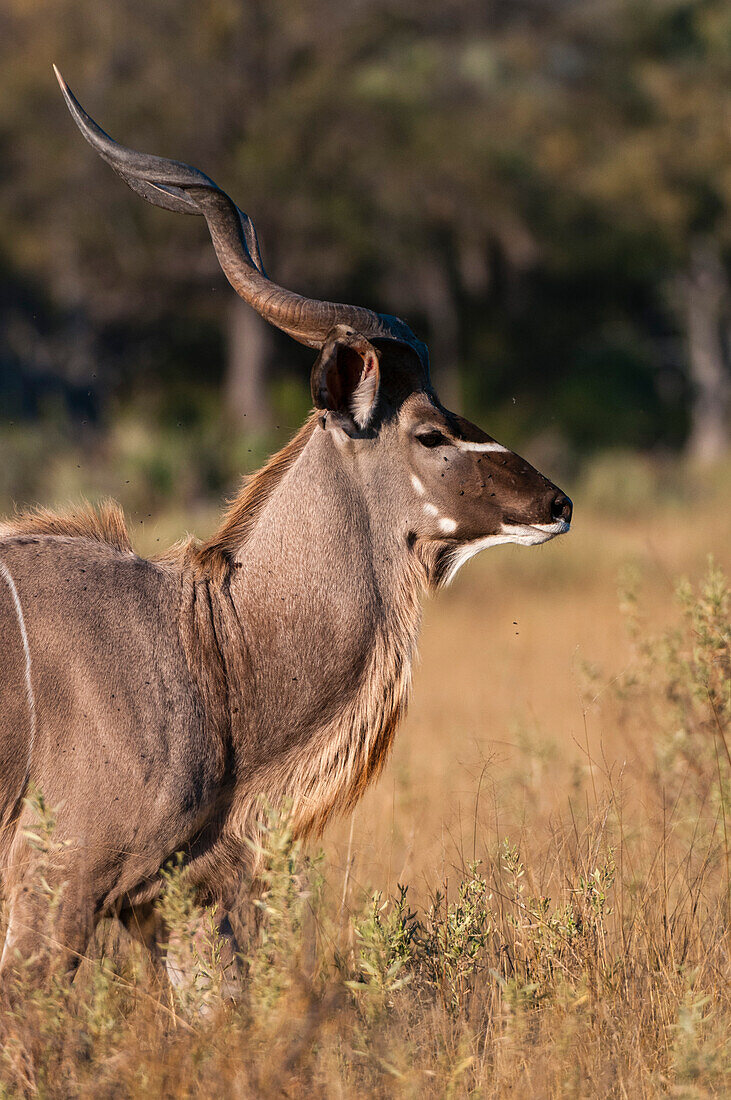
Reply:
x=437, y=300
x=705, y=288
x=249, y=347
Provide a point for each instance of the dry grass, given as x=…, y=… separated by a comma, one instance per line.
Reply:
x=558, y=803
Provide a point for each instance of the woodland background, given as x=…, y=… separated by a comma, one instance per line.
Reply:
x=541, y=187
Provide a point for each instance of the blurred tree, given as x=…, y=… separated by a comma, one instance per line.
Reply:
x=343, y=127
x=540, y=187
x=636, y=119
x=66, y=222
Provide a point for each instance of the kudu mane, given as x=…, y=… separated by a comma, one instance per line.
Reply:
x=213, y=558
x=105, y=522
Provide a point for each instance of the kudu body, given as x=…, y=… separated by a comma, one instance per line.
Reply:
x=155, y=703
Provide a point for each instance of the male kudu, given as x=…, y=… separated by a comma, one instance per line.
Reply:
x=157, y=702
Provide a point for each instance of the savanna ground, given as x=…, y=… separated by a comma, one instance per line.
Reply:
x=534, y=899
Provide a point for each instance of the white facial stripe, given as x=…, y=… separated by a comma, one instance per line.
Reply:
x=419, y=488
x=524, y=534
x=430, y=509
x=447, y=525
x=464, y=446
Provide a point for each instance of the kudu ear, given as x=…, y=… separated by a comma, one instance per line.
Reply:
x=346, y=376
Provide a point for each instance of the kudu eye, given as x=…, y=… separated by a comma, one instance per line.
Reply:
x=432, y=438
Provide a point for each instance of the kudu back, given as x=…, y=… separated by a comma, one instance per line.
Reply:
x=158, y=703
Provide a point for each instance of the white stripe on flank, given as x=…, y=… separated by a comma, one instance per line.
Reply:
x=5, y=572
x=493, y=446
x=9, y=936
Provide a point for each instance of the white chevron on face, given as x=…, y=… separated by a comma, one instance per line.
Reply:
x=463, y=445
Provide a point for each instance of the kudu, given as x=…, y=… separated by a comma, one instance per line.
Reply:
x=158, y=702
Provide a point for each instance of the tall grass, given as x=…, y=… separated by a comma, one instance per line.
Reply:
x=585, y=953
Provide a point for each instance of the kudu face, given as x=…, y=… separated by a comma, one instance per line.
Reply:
x=471, y=489
x=448, y=488
x=439, y=478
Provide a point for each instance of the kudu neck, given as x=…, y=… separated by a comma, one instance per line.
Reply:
x=328, y=603
x=321, y=560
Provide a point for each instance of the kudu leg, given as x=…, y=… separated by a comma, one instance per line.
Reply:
x=40, y=941
x=210, y=949
x=144, y=925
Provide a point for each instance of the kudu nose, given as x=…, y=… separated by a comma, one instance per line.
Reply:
x=561, y=508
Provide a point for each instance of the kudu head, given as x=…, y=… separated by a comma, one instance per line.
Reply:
x=450, y=489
